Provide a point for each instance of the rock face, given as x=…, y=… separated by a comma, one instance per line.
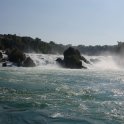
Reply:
x=1, y=55
x=72, y=59
x=28, y=62
x=85, y=60
x=19, y=58
x=16, y=56
x=4, y=64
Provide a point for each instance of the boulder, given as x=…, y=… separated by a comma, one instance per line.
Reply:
x=28, y=62
x=60, y=61
x=72, y=52
x=1, y=55
x=85, y=60
x=16, y=56
x=73, y=62
x=72, y=59
x=4, y=64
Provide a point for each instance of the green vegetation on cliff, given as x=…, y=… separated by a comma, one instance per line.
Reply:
x=28, y=44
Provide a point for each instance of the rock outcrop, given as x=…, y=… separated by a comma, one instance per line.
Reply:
x=72, y=59
x=16, y=56
x=1, y=55
x=4, y=64
x=28, y=62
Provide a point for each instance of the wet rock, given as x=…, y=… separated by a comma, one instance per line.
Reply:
x=1, y=55
x=73, y=62
x=28, y=62
x=4, y=64
x=60, y=61
x=16, y=56
x=85, y=60
x=72, y=59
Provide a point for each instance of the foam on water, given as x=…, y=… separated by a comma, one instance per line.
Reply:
x=43, y=95
x=103, y=62
x=45, y=60
x=61, y=96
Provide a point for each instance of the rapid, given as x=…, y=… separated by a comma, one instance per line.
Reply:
x=50, y=94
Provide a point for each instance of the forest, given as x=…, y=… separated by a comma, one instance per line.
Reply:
x=29, y=44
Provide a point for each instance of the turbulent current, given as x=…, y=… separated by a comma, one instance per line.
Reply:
x=49, y=94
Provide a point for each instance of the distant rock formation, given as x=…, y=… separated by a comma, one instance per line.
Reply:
x=1, y=55
x=28, y=62
x=17, y=58
x=4, y=64
x=72, y=59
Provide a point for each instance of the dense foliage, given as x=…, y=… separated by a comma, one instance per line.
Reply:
x=28, y=44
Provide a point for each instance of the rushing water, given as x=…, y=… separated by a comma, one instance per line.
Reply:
x=61, y=96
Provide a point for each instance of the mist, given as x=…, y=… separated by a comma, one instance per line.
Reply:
x=104, y=61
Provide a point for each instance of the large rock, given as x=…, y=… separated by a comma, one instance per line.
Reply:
x=28, y=62
x=72, y=52
x=16, y=56
x=61, y=62
x=4, y=64
x=1, y=55
x=73, y=62
x=85, y=60
x=72, y=59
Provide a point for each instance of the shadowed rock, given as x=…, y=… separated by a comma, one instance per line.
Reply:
x=60, y=61
x=1, y=55
x=28, y=62
x=4, y=64
x=16, y=56
x=72, y=59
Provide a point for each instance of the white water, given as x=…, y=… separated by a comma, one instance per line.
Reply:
x=45, y=60
x=103, y=63
x=42, y=95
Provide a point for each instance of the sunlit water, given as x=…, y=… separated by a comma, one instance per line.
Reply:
x=42, y=95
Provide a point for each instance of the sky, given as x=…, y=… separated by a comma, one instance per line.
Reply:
x=85, y=22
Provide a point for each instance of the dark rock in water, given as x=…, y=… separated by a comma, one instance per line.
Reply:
x=3, y=59
x=7, y=51
x=72, y=59
x=4, y=64
x=28, y=62
x=85, y=60
x=1, y=55
x=72, y=52
x=72, y=62
x=16, y=56
x=60, y=61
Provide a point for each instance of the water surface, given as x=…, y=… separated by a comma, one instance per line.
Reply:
x=61, y=96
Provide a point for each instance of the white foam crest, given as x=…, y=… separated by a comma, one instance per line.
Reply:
x=100, y=62
x=45, y=60
x=118, y=92
x=55, y=115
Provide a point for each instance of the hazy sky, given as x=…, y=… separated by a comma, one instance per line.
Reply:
x=65, y=21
